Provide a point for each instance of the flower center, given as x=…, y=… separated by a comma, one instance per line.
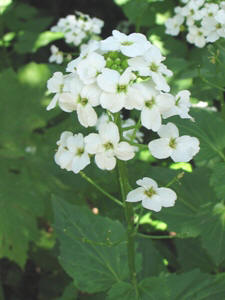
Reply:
x=150, y=103
x=82, y=101
x=127, y=43
x=153, y=67
x=172, y=143
x=177, y=101
x=150, y=192
x=80, y=151
x=218, y=26
x=108, y=146
x=121, y=88
x=61, y=86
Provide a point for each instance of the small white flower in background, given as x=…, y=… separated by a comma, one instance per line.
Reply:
x=107, y=147
x=56, y=55
x=154, y=104
x=181, y=107
x=132, y=45
x=79, y=27
x=205, y=21
x=173, y=25
x=152, y=197
x=196, y=36
x=180, y=149
x=71, y=154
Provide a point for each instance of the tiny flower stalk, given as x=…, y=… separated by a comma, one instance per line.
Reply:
x=129, y=213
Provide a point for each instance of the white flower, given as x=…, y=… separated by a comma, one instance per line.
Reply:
x=173, y=25
x=132, y=45
x=150, y=65
x=154, y=105
x=56, y=55
x=71, y=154
x=152, y=197
x=115, y=88
x=55, y=85
x=90, y=67
x=106, y=147
x=181, y=107
x=196, y=36
x=180, y=149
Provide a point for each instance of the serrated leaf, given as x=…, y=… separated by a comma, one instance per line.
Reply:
x=84, y=253
x=217, y=180
x=187, y=286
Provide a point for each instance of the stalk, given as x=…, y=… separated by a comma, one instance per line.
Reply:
x=129, y=215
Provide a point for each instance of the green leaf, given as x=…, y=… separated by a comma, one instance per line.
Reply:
x=21, y=102
x=152, y=261
x=121, y=290
x=217, y=180
x=91, y=251
x=45, y=38
x=191, y=255
x=188, y=286
x=19, y=207
x=209, y=128
x=70, y=293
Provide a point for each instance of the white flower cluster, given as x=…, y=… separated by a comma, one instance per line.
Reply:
x=205, y=21
x=78, y=27
x=120, y=72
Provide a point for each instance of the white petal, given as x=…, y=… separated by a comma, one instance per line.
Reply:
x=109, y=132
x=92, y=93
x=92, y=143
x=109, y=44
x=112, y=102
x=168, y=131
x=53, y=102
x=104, y=161
x=74, y=142
x=160, y=82
x=124, y=151
x=167, y=197
x=165, y=102
x=80, y=162
x=147, y=183
x=136, y=195
x=86, y=115
x=68, y=102
x=63, y=138
x=153, y=203
x=160, y=148
x=65, y=160
x=150, y=118
x=108, y=80
x=134, y=99
x=186, y=148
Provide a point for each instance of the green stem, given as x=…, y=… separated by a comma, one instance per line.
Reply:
x=129, y=214
x=88, y=179
x=157, y=237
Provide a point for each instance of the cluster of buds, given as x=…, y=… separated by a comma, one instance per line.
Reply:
x=120, y=72
x=205, y=22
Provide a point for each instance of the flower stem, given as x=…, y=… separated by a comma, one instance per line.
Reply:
x=129, y=213
x=88, y=179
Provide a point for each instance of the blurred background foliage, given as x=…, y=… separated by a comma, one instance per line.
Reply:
x=29, y=267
